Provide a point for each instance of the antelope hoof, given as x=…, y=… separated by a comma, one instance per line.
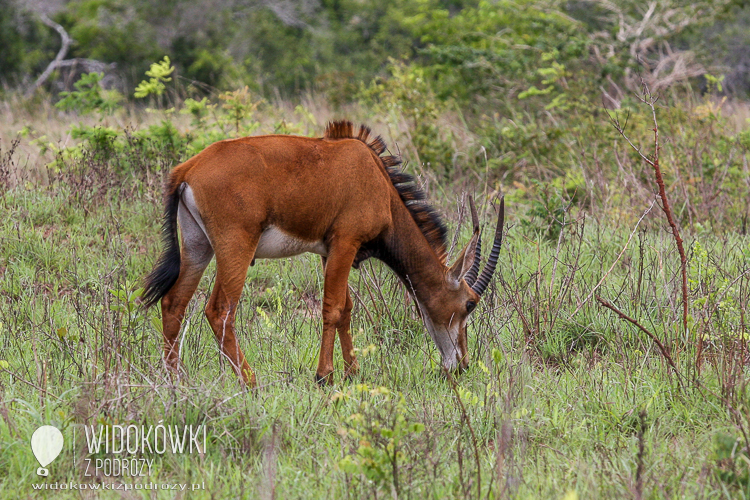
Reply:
x=446, y=374
x=324, y=380
x=176, y=373
x=248, y=378
x=352, y=370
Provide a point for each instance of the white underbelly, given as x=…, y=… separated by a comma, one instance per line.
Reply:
x=276, y=244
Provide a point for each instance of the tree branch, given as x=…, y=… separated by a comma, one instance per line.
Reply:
x=66, y=42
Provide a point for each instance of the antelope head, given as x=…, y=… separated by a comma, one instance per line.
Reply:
x=446, y=312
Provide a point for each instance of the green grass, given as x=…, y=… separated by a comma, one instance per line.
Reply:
x=549, y=406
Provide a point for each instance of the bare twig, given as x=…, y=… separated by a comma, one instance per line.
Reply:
x=619, y=256
x=267, y=486
x=649, y=99
x=645, y=330
x=41, y=390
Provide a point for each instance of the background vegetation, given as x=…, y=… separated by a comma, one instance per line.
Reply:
x=565, y=398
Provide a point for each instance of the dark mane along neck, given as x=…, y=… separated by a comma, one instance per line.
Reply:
x=410, y=255
x=412, y=197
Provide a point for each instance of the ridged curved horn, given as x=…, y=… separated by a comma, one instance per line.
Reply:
x=489, y=269
x=471, y=275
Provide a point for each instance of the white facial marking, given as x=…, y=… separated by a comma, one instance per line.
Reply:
x=446, y=339
x=276, y=244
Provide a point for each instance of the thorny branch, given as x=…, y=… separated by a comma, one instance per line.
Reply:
x=645, y=330
x=649, y=99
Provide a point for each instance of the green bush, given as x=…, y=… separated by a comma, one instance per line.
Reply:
x=89, y=96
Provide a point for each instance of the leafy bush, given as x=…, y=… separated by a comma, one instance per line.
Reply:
x=406, y=95
x=487, y=50
x=114, y=31
x=89, y=96
x=379, y=431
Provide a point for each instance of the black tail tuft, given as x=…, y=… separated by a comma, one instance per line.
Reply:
x=167, y=269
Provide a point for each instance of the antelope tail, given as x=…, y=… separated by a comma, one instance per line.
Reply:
x=167, y=269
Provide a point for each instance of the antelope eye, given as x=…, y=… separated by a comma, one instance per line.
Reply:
x=470, y=305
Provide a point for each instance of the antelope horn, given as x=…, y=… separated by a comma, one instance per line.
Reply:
x=471, y=275
x=489, y=269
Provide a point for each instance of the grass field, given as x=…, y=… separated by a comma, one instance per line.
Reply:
x=562, y=399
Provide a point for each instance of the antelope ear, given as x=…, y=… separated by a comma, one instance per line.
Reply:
x=465, y=260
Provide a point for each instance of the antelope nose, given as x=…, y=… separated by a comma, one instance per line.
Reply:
x=463, y=364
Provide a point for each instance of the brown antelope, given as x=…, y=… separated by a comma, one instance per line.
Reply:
x=276, y=196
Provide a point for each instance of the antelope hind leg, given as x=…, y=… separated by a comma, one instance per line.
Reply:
x=232, y=262
x=195, y=254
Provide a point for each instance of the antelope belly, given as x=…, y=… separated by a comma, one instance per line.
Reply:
x=276, y=244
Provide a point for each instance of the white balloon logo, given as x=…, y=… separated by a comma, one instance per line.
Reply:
x=46, y=443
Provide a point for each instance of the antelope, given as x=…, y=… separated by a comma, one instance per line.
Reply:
x=338, y=196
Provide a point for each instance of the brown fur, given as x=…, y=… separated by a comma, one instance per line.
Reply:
x=427, y=219
x=336, y=191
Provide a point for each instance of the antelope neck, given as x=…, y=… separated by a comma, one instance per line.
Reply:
x=405, y=250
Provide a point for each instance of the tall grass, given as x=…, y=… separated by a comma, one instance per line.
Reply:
x=562, y=398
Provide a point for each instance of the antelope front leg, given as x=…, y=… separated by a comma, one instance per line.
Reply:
x=351, y=365
x=335, y=294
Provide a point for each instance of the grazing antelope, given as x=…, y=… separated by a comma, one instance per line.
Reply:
x=277, y=196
